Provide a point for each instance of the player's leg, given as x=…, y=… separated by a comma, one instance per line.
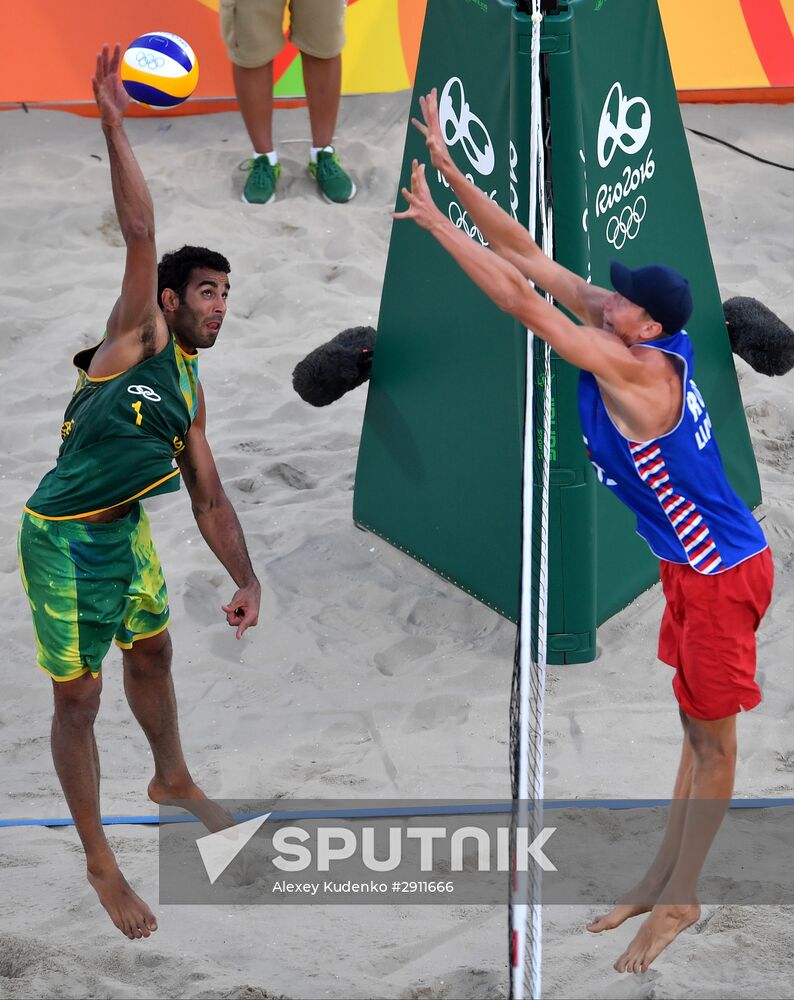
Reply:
x=148, y=682
x=149, y=686
x=75, y=614
x=713, y=744
x=644, y=895
x=715, y=662
x=713, y=748
x=74, y=752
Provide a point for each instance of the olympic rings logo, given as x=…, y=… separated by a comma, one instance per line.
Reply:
x=626, y=226
x=480, y=155
x=145, y=391
x=631, y=140
x=459, y=219
x=148, y=61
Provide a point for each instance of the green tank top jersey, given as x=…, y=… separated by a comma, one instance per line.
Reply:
x=121, y=435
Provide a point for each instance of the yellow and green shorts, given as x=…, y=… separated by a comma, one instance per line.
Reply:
x=88, y=584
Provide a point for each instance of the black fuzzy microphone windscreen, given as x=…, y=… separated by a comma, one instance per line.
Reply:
x=758, y=336
x=332, y=369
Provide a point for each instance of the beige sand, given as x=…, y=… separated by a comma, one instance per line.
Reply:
x=368, y=675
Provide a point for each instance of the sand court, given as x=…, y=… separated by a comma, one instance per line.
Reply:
x=367, y=675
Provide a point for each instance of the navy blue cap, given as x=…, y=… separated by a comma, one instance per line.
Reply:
x=662, y=292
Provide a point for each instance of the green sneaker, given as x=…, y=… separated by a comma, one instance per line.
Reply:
x=260, y=187
x=335, y=185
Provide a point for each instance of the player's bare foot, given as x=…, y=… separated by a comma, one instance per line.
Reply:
x=189, y=796
x=640, y=899
x=661, y=928
x=125, y=908
x=617, y=915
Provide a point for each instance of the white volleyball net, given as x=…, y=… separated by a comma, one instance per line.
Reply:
x=529, y=673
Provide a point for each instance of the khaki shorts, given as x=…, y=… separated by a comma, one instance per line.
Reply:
x=253, y=29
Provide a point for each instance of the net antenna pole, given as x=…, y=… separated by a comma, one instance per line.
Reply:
x=529, y=676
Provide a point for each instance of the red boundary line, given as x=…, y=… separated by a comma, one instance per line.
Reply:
x=738, y=95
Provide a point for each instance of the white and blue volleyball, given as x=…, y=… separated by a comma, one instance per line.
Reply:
x=159, y=70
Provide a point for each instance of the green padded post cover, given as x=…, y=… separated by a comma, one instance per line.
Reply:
x=439, y=470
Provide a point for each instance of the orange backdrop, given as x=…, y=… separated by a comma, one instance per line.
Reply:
x=720, y=49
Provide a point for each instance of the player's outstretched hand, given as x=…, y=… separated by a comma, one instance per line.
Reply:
x=421, y=207
x=242, y=611
x=431, y=130
x=111, y=97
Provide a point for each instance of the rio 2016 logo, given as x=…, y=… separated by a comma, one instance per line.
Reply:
x=625, y=125
x=626, y=225
x=459, y=125
x=620, y=132
x=455, y=112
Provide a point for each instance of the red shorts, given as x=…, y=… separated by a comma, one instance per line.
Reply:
x=708, y=634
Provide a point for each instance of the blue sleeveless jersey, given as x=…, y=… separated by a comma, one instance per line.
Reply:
x=676, y=486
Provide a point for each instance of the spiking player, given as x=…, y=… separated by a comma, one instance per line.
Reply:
x=88, y=562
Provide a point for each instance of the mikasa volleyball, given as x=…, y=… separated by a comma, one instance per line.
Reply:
x=159, y=70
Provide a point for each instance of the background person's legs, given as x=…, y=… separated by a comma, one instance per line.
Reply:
x=252, y=31
x=323, y=81
x=254, y=90
x=253, y=35
x=317, y=29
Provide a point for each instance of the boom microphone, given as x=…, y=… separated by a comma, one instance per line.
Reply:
x=332, y=369
x=758, y=336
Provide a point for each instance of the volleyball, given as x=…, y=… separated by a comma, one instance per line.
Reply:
x=159, y=70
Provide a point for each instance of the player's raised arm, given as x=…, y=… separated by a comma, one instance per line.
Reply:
x=505, y=236
x=588, y=348
x=135, y=312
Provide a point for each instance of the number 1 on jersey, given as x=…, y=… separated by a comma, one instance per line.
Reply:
x=139, y=417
